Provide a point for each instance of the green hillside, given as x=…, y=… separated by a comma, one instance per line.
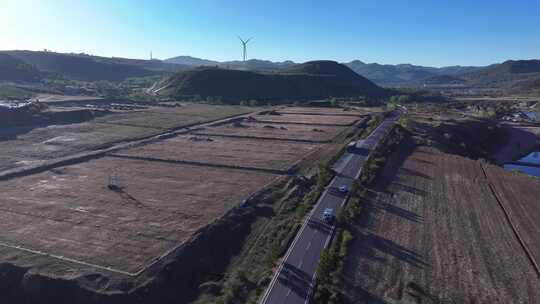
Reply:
x=13, y=69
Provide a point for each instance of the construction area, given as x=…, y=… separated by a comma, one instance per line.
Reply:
x=120, y=222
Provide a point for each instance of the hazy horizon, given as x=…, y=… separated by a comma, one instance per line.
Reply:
x=422, y=33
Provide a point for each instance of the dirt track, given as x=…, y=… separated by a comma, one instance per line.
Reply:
x=436, y=234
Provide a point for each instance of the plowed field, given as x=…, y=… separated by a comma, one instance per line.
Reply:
x=435, y=233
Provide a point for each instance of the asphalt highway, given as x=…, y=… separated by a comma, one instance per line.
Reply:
x=294, y=279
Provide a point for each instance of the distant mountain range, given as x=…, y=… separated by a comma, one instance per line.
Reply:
x=404, y=74
x=381, y=74
x=32, y=66
x=511, y=76
x=252, y=64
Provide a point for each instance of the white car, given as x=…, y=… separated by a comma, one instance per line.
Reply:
x=343, y=189
x=328, y=215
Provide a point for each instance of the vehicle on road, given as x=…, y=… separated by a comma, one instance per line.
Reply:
x=328, y=215
x=343, y=189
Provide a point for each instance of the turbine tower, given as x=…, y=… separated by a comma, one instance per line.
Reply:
x=244, y=44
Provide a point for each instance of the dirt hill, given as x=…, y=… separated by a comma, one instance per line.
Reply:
x=311, y=80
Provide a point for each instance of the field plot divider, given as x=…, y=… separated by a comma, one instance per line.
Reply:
x=193, y=163
x=265, y=138
x=321, y=114
x=303, y=123
x=63, y=258
x=522, y=242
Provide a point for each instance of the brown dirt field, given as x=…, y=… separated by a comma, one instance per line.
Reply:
x=316, y=110
x=308, y=119
x=286, y=131
x=264, y=154
x=169, y=118
x=69, y=212
x=32, y=144
x=37, y=145
x=520, y=195
x=434, y=233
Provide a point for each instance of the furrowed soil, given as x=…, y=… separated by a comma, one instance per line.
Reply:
x=520, y=196
x=433, y=232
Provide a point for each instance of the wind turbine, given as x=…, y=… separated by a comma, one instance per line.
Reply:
x=244, y=44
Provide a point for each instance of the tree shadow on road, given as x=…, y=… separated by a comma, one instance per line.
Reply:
x=295, y=279
x=318, y=225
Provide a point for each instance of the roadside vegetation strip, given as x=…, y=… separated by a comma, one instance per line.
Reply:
x=370, y=125
x=249, y=276
x=328, y=286
x=374, y=121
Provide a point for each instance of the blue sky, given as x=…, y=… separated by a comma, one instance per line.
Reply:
x=435, y=33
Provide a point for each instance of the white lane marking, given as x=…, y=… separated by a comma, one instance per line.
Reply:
x=308, y=245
